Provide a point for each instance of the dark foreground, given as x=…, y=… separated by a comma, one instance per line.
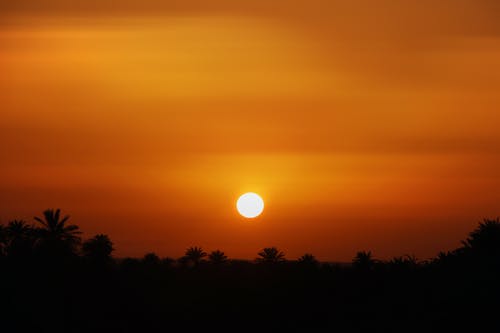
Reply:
x=457, y=291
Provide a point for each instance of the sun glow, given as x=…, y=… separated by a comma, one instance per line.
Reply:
x=250, y=205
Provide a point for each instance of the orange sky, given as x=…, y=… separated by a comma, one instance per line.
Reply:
x=363, y=124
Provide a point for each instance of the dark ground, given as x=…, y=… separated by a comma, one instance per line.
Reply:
x=138, y=297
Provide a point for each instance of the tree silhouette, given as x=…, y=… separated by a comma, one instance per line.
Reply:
x=270, y=255
x=168, y=262
x=404, y=263
x=485, y=239
x=55, y=228
x=308, y=259
x=20, y=239
x=217, y=257
x=195, y=254
x=151, y=259
x=56, y=235
x=98, y=248
x=18, y=228
x=363, y=261
x=307, y=262
x=3, y=240
x=448, y=258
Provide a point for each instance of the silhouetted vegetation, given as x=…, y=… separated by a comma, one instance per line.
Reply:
x=56, y=238
x=52, y=281
x=270, y=255
x=217, y=257
x=98, y=249
x=308, y=259
x=363, y=261
x=195, y=255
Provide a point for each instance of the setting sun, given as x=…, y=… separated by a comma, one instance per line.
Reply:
x=250, y=205
x=141, y=141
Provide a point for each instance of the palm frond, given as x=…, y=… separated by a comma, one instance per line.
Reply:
x=41, y=221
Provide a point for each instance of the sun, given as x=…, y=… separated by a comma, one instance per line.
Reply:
x=250, y=205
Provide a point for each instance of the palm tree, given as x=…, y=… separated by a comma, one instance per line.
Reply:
x=363, y=261
x=18, y=228
x=56, y=235
x=447, y=258
x=98, y=248
x=195, y=254
x=404, y=263
x=217, y=257
x=270, y=255
x=19, y=238
x=485, y=239
x=308, y=258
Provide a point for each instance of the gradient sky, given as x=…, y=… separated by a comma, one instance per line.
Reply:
x=364, y=125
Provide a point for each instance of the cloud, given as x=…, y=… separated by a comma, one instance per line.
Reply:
x=358, y=16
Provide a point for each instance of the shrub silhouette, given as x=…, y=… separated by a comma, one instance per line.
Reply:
x=270, y=255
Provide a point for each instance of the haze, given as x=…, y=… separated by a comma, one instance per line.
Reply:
x=363, y=125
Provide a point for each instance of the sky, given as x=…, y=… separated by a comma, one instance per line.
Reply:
x=363, y=125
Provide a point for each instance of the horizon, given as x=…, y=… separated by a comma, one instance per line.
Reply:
x=362, y=126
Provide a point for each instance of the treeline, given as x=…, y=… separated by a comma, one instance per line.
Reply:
x=53, y=281
x=52, y=237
